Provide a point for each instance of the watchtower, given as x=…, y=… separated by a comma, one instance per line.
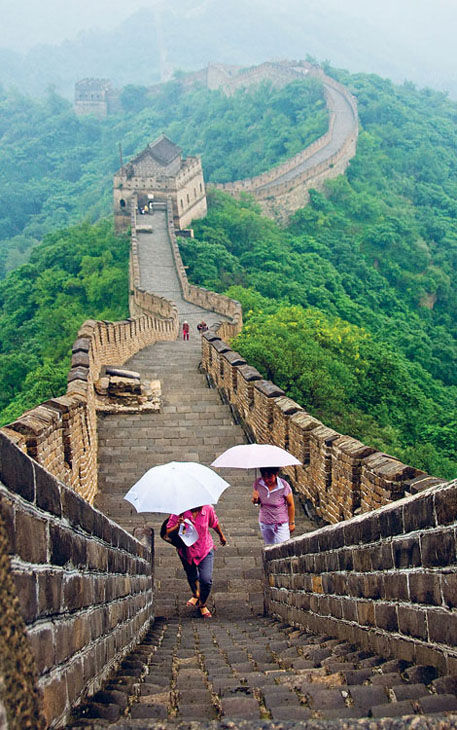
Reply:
x=159, y=172
x=95, y=96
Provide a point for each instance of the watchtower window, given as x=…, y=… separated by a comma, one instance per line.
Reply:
x=188, y=199
x=122, y=203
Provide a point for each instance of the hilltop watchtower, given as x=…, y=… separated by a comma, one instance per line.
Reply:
x=159, y=172
x=97, y=97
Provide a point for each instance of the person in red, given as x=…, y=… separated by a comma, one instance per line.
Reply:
x=277, y=507
x=185, y=330
x=197, y=559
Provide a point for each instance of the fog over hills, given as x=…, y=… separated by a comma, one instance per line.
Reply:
x=142, y=41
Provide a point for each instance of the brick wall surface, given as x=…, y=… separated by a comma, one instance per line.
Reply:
x=386, y=579
x=340, y=476
x=84, y=585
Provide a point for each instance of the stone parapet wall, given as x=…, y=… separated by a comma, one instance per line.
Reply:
x=61, y=434
x=340, y=476
x=385, y=580
x=83, y=584
x=203, y=297
x=280, y=198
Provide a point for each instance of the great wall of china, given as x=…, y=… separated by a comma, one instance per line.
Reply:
x=367, y=605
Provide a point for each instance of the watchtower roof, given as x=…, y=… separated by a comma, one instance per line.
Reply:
x=164, y=150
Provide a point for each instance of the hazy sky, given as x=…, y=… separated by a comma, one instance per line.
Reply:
x=25, y=23
x=400, y=39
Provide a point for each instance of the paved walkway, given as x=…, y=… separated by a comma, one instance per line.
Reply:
x=194, y=425
x=342, y=129
x=238, y=666
x=264, y=672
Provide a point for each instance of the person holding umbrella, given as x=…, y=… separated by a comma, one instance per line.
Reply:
x=277, y=507
x=198, y=556
x=186, y=491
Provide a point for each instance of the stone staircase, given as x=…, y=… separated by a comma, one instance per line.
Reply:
x=263, y=672
x=240, y=668
x=194, y=425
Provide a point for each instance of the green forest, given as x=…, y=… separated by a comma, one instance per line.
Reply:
x=74, y=274
x=350, y=308
x=56, y=169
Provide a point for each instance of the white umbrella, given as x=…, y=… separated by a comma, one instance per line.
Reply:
x=175, y=487
x=254, y=456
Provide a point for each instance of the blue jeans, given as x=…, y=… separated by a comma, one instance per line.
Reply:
x=202, y=574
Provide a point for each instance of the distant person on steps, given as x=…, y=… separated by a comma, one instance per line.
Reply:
x=202, y=326
x=277, y=507
x=185, y=330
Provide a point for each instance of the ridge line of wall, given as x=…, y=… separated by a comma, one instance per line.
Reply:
x=292, y=193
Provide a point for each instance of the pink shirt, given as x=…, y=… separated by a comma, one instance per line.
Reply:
x=273, y=506
x=204, y=519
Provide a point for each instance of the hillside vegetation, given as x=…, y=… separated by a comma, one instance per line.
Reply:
x=74, y=274
x=351, y=308
x=56, y=168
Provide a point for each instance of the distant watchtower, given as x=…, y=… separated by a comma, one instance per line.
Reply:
x=158, y=173
x=97, y=97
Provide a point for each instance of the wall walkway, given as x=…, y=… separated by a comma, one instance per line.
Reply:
x=310, y=664
x=362, y=613
x=284, y=188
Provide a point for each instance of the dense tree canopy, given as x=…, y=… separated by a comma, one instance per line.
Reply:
x=375, y=253
x=351, y=308
x=57, y=168
x=75, y=274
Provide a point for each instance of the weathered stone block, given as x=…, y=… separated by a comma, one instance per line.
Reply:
x=365, y=613
x=16, y=469
x=418, y=513
x=47, y=491
x=49, y=593
x=425, y=588
x=31, y=538
x=7, y=514
x=55, y=698
x=41, y=642
x=396, y=587
x=442, y=626
x=386, y=616
x=26, y=591
x=412, y=622
x=61, y=545
x=438, y=548
x=445, y=505
x=407, y=553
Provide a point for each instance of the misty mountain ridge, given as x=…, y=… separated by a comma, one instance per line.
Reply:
x=152, y=43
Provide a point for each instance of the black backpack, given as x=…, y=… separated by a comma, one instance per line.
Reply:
x=173, y=538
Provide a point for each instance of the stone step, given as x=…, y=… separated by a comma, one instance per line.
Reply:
x=224, y=669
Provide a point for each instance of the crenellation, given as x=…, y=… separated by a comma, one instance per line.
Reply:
x=340, y=476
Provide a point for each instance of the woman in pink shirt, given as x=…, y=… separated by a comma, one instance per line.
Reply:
x=277, y=508
x=197, y=559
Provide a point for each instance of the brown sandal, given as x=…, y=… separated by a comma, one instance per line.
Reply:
x=192, y=602
x=205, y=612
